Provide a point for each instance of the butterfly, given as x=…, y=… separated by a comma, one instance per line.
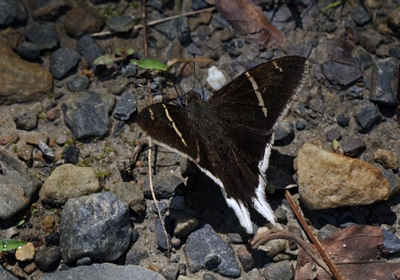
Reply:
x=230, y=136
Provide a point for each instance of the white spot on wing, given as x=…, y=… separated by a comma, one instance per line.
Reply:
x=258, y=94
x=173, y=125
x=151, y=114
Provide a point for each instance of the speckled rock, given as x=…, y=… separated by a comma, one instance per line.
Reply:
x=12, y=12
x=384, y=81
x=387, y=158
x=68, y=181
x=95, y=226
x=26, y=120
x=367, y=115
x=328, y=180
x=22, y=81
x=203, y=245
x=62, y=61
x=17, y=185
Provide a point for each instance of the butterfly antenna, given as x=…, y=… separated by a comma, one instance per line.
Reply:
x=194, y=70
x=177, y=92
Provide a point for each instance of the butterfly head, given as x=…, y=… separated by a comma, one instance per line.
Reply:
x=190, y=97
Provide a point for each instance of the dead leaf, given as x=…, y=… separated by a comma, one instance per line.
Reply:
x=246, y=18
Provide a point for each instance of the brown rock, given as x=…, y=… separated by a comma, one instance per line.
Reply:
x=25, y=152
x=22, y=81
x=82, y=20
x=34, y=138
x=25, y=253
x=328, y=180
x=393, y=20
x=387, y=158
x=48, y=222
x=53, y=114
x=132, y=195
x=205, y=18
x=30, y=268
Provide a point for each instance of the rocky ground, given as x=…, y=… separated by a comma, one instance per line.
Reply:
x=68, y=131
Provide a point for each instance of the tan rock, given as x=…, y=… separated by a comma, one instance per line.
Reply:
x=68, y=181
x=34, y=138
x=328, y=180
x=21, y=81
x=184, y=226
x=48, y=222
x=387, y=158
x=25, y=253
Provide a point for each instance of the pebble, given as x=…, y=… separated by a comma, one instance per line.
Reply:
x=353, y=146
x=48, y=222
x=343, y=74
x=26, y=82
x=125, y=107
x=170, y=272
x=199, y=4
x=25, y=253
x=13, y=12
x=393, y=20
x=177, y=203
x=3, y=272
x=328, y=180
x=360, y=16
x=333, y=134
x=53, y=114
x=25, y=152
x=383, y=81
x=354, y=92
x=300, y=125
x=165, y=28
x=160, y=233
x=183, y=226
x=19, y=186
x=82, y=20
x=27, y=120
x=62, y=61
x=326, y=231
x=45, y=149
x=283, y=270
x=390, y=242
x=129, y=70
x=95, y=226
x=122, y=23
x=68, y=181
x=342, y=120
x=246, y=258
x=393, y=181
x=371, y=39
x=88, y=48
x=163, y=206
x=71, y=154
x=48, y=259
x=135, y=255
x=163, y=189
x=105, y=271
x=28, y=50
x=50, y=10
x=204, y=242
x=87, y=114
x=216, y=78
x=367, y=115
x=387, y=158
x=77, y=82
x=53, y=239
x=132, y=195
x=183, y=31
x=43, y=35
x=29, y=268
x=284, y=131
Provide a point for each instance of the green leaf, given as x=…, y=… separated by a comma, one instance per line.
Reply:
x=148, y=63
x=130, y=51
x=118, y=51
x=332, y=6
x=108, y=61
x=11, y=244
x=97, y=60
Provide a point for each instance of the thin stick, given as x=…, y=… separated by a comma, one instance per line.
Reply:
x=150, y=142
x=155, y=22
x=314, y=240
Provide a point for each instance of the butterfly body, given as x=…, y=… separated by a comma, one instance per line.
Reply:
x=230, y=136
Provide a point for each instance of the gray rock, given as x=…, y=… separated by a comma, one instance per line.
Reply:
x=42, y=35
x=163, y=188
x=183, y=31
x=105, y=271
x=62, y=61
x=283, y=131
x=199, y=4
x=17, y=187
x=135, y=255
x=166, y=28
x=96, y=226
x=28, y=50
x=279, y=271
x=129, y=70
x=354, y=92
x=170, y=272
x=177, y=203
x=360, y=16
x=390, y=242
x=87, y=114
x=367, y=115
x=353, y=146
x=122, y=23
x=161, y=239
x=71, y=154
x=135, y=236
x=88, y=47
x=333, y=134
x=48, y=259
x=393, y=181
x=77, y=82
x=384, y=81
x=340, y=73
x=163, y=206
x=68, y=181
x=326, y=231
x=12, y=12
x=300, y=125
x=132, y=195
x=204, y=242
x=27, y=120
x=342, y=121
x=125, y=107
x=45, y=149
x=371, y=39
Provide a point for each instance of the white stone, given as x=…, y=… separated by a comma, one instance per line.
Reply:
x=215, y=78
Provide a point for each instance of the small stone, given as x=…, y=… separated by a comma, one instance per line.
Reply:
x=48, y=259
x=135, y=255
x=387, y=158
x=360, y=16
x=279, y=271
x=184, y=226
x=342, y=121
x=354, y=92
x=300, y=125
x=88, y=47
x=161, y=240
x=132, y=195
x=122, y=23
x=82, y=20
x=62, y=61
x=52, y=239
x=183, y=31
x=77, y=82
x=205, y=18
x=175, y=241
x=27, y=120
x=44, y=36
x=390, y=242
x=163, y=206
x=170, y=272
x=371, y=39
x=25, y=152
x=25, y=253
x=199, y=4
x=28, y=50
x=125, y=107
x=182, y=269
x=367, y=115
x=129, y=70
x=28, y=269
x=326, y=231
x=333, y=134
x=393, y=20
x=53, y=114
x=48, y=222
x=384, y=81
x=353, y=146
x=283, y=131
x=45, y=149
x=177, y=203
x=329, y=180
x=71, y=154
x=13, y=12
x=246, y=258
